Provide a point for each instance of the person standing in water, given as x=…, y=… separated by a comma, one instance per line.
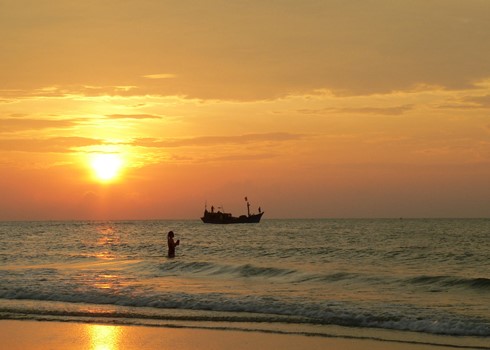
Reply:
x=171, y=244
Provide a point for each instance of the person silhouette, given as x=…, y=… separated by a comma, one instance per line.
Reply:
x=171, y=244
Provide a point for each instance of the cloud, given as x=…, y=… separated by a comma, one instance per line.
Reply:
x=70, y=90
x=160, y=76
x=133, y=116
x=240, y=157
x=218, y=140
x=396, y=110
x=55, y=144
x=21, y=124
x=468, y=102
x=345, y=46
x=479, y=101
x=229, y=157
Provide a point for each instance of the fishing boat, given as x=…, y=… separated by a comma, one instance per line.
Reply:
x=220, y=217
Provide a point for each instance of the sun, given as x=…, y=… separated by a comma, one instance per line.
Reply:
x=106, y=167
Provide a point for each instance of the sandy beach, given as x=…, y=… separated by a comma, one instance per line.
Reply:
x=30, y=335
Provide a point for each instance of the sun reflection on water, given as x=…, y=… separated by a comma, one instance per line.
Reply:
x=104, y=337
x=106, y=281
x=108, y=239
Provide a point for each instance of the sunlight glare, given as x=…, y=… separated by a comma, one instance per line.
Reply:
x=106, y=166
x=104, y=337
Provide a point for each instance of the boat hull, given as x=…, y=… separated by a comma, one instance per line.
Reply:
x=225, y=218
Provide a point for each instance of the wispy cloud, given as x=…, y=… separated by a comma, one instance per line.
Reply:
x=218, y=140
x=241, y=157
x=219, y=158
x=20, y=124
x=479, y=101
x=468, y=102
x=160, y=76
x=55, y=144
x=396, y=110
x=133, y=116
x=9, y=96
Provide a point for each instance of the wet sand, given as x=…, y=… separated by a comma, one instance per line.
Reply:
x=29, y=335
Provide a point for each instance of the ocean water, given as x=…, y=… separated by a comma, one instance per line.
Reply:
x=420, y=280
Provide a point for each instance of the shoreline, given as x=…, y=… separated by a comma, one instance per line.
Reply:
x=44, y=335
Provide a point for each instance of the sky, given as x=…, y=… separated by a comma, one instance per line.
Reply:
x=152, y=109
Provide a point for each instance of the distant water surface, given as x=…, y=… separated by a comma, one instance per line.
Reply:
x=426, y=276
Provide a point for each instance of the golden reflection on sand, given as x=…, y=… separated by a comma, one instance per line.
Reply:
x=104, y=337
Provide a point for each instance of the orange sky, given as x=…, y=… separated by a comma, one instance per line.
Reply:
x=309, y=108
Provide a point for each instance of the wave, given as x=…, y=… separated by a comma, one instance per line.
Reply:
x=218, y=321
x=207, y=268
x=478, y=283
x=296, y=276
x=134, y=288
x=214, y=321
x=249, y=308
x=250, y=271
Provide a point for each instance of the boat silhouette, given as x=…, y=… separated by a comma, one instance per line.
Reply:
x=220, y=217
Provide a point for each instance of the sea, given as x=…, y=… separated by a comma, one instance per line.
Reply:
x=424, y=281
